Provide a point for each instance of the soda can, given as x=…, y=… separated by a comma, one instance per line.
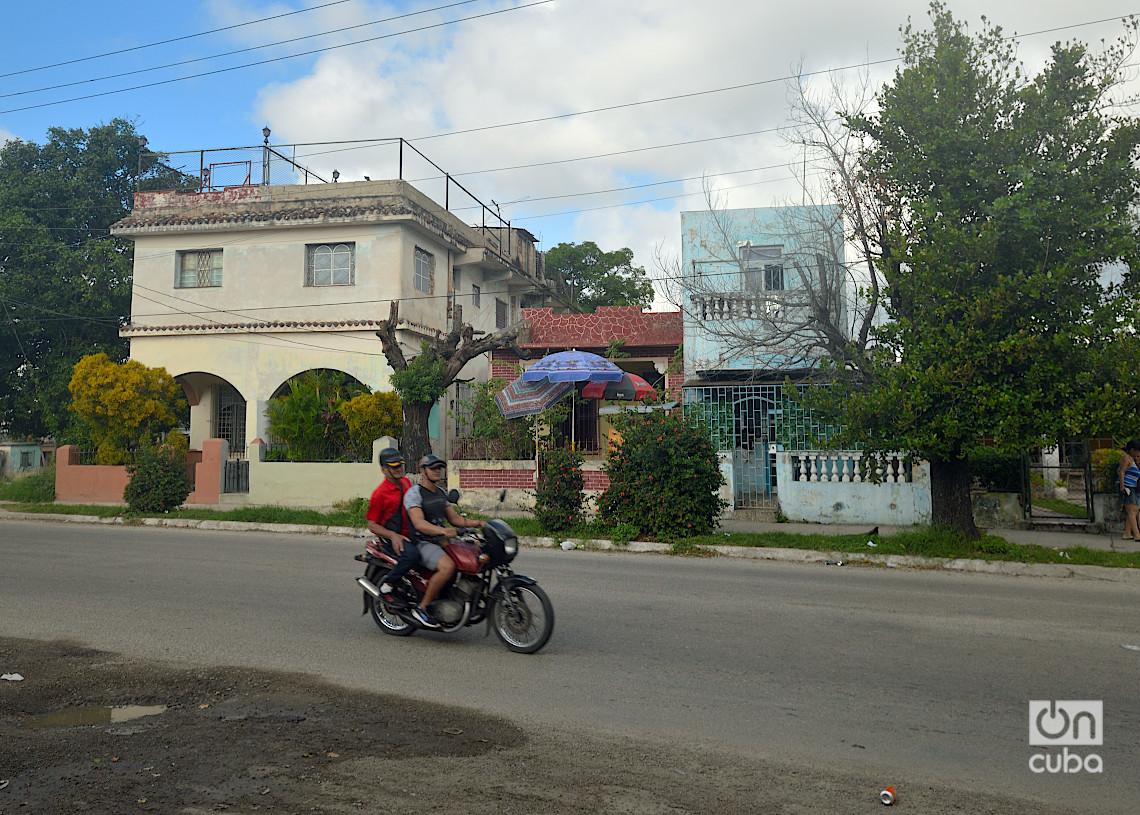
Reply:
x=887, y=796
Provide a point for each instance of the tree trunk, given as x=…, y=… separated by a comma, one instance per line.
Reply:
x=950, y=496
x=415, y=441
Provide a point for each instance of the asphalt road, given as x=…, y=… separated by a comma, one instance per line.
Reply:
x=921, y=676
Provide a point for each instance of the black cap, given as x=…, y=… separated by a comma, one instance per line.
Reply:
x=390, y=457
x=431, y=460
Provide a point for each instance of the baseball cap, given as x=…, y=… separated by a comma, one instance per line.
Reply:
x=390, y=456
x=431, y=460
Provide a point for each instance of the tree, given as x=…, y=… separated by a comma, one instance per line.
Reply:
x=64, y=282
x=422, y=381
x=123, y=406
x=309, y=417
x=371, y=416
x=1002, y=197
x=600, y=278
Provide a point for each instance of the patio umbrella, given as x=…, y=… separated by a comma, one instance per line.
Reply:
x=522, y=398
x=630, y=388
x=573, y=366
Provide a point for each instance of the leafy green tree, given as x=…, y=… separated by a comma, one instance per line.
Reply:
x=123, y=406
x=559, y=500
x=600, y=278
x=64, y=282
x=423, y=380
x=309, y=417
x=1005, y=195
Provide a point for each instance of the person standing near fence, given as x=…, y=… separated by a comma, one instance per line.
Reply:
x=1127, y=478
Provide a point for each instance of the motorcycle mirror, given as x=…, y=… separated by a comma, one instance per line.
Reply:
x=453, y=497
x=503, y=495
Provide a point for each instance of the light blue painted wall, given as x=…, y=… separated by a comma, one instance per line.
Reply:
x=709, y=249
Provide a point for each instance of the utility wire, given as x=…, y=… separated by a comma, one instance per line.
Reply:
x=279, y=59
x=238, y=51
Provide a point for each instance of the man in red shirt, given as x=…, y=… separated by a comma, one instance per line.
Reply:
x=387, y=518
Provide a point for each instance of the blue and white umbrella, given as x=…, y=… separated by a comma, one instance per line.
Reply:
x=573, y=366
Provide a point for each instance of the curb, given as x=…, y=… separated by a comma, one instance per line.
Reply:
x=1000, y=567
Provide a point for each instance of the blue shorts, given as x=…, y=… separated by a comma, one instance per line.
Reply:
x=1132, y=498
x=430, y=553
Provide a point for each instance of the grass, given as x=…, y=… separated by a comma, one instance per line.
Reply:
x=921, y=541
x=1064, y=507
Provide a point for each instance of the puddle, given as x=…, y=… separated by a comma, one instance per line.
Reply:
x=80, y=716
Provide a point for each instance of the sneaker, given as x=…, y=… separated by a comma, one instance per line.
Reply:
x=386, y=590
x=424, y=617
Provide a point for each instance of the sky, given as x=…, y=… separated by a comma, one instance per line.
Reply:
x=579, y=120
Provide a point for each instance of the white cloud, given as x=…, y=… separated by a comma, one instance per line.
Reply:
x=6, y=136
x=579, y=55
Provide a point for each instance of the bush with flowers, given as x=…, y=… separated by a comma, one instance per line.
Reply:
x=558, y=499
x=664, y=476
x=158, y=478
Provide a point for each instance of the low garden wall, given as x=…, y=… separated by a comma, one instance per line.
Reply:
x=77, y=483
x=481, y=482
x=835, y=487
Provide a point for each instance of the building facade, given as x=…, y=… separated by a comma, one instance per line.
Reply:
x=236, y=291
x=755, y=280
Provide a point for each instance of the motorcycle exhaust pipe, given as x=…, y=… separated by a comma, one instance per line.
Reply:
x=368, y=587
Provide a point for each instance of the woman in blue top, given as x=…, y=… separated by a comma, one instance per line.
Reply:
x=1127, y=477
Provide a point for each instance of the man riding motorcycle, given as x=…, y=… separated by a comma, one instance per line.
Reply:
x=429, y=512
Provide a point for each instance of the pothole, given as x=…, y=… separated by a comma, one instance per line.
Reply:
x=94, y=714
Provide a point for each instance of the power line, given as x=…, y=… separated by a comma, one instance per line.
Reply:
x=238, y=51
x=279, y=59
x=172, y=39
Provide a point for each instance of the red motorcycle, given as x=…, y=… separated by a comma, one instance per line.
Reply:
x=484, y=588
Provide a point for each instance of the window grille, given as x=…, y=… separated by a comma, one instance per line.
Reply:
x=475, y=296
x=331, y=264
x=501, y=313
x=229, y=419
x=200, y=269
x=424, y=263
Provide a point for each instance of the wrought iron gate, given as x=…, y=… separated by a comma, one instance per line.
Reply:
x=1058, y=489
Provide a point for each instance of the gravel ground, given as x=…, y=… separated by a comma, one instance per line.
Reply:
x=242, y=741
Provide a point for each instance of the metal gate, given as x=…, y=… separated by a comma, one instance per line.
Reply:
x=1057, y=484
x=236, y=476
x=753, y=421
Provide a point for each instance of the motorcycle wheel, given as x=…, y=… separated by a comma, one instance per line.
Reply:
x=524, y=619
x=389, y=621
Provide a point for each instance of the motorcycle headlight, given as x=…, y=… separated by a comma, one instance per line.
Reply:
x=511, y=546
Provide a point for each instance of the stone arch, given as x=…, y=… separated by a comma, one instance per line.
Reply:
x=218, y=409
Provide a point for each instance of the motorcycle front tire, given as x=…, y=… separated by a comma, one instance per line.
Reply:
x=525, y=623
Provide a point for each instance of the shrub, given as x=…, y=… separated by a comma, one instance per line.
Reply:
x=1105, y=467
x=35, y=488
x=558, y=499
x=309, y=419
x=370, y=416
x=664, y=476
x=158, y=480
x=995, y=472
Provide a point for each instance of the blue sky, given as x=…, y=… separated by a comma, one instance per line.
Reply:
x=577, y=178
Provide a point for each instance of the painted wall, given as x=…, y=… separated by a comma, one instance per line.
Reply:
x=834, y=490
x=710, y=263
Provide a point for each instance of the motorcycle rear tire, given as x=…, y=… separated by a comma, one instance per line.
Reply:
x=388, y=620
x=525, y=624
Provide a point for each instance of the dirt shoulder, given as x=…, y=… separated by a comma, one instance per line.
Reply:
x=236, y=740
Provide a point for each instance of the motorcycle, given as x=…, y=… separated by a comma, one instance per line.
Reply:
x=484, y=588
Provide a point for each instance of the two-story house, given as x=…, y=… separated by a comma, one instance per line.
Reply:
x=238, y=290
x=766, y=295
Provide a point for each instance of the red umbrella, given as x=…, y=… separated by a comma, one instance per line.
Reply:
x=630, y=388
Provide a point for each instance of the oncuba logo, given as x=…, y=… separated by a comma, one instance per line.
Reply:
x=1065, y=724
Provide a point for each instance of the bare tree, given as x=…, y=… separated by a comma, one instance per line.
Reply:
x=422, y=380
x=825, y=299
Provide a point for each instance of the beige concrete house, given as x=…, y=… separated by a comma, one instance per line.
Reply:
x=238, y=290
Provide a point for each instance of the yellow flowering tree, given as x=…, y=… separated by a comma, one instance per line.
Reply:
x=370, y=416
x=124, y=405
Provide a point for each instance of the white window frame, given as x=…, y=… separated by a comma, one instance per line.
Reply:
x=423, y=276
x=476, y=294
x=205, y=272
x=330, y=264
x=758, y=272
